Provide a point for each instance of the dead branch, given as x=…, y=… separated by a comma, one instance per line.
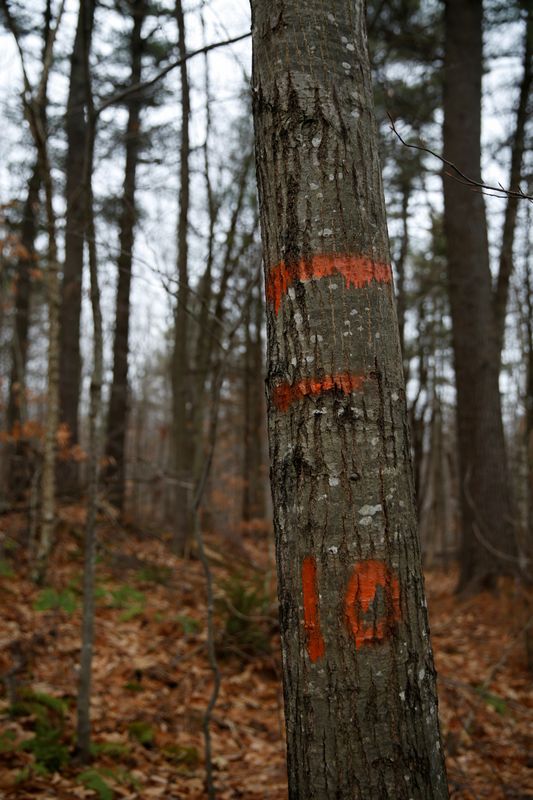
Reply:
x=456, y=174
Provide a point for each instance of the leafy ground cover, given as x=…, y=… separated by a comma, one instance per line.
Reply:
x=152, y=679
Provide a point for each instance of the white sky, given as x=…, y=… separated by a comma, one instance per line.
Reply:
x=158, y=184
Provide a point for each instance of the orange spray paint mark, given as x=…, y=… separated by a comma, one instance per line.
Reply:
x=362, y=589
x=285, y=394
x=357, y=271
x=315, y=643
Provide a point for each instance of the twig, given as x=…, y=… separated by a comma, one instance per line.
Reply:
x=460, y=176
x=521, y=560
x=202, y=556
x=139, y=87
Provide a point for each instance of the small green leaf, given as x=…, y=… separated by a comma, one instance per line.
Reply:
x=495, y=701
x=7, y=742
x=51, y=600
x=142, y=732
x=6, y=570
x=189, y=624
x=92, y=779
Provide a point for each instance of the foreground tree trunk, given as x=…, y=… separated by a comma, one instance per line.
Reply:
x=69, y=329
x=118, y=403
x=487, y=526
x=359, y=681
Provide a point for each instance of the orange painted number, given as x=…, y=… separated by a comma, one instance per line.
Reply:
x=368, y=580
x=371, y=604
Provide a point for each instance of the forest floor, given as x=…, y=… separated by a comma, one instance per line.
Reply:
x=152, y=678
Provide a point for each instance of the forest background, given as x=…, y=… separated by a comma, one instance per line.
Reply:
x=133, y=413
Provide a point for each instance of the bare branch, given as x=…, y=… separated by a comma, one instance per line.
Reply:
x=459, y=176
x=139, y=87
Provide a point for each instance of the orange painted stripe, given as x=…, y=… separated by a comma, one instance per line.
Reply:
x=285, y=394
x=357, y=271
x=315, y=642
x=366, y=577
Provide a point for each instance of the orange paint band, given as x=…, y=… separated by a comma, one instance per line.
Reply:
x=366, y=577
x=315, y=642
x=357, y=271
x=285, y=394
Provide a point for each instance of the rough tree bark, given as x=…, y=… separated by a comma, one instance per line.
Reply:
x=487, y=525
x=359, y=681
x=69, y=326
x=118, y=415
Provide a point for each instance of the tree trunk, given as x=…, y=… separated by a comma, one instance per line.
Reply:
x=401, y=267
x=359, y=681
x=183, y=519
x=19, y=472
x=69, y=341
x=517, y=155
x=487, y=528
x=119, y=403
x=19, y=475
x=253, y=506
x=529, y=398
x=83, y=728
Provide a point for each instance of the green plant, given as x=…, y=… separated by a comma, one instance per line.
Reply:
x=131, y=600
x=111, y=749
x=153, y=573
x=47, y=745
x=8, y=742
x=51, y=600
x=495, y=701
x=48, y=749
x=142, y=732
x=93, y=779
x=44, y=707
x=188, y=624
x=134, y=686
x=243, y=607
x=185, y=758
x=6, y=571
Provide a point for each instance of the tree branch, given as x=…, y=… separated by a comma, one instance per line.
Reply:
x=458, y=175
x=139, y=87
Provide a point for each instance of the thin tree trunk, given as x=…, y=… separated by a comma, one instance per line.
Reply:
x=253, y=506
x=400, y=268
x=517, y=154
x=83, y=729
x=529, y=398
x=19, y=476
x=118, y=415
x=180, y=376
x=19, y=473
x=359, y=681
x=203, y=351
x=48, y=484
x=487, y=525
x=69, y=342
